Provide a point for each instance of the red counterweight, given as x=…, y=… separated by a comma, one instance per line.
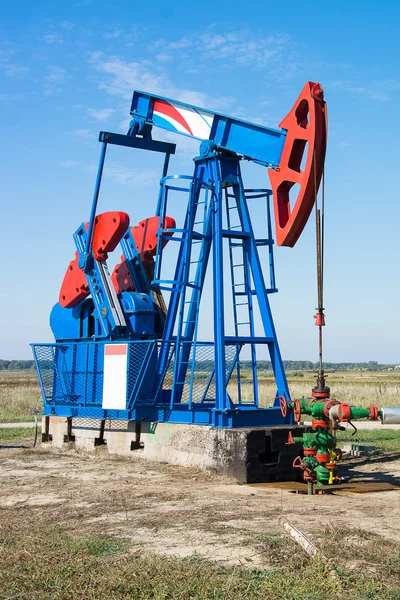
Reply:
x=145, y=236
x=108, y=231
x=74, y=287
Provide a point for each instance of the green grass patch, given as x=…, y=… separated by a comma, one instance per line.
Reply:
x=386, y=440
x=100, y=547
x=38, y=562
x=16, y=433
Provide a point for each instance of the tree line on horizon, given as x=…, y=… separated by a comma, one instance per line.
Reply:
x=289, y=365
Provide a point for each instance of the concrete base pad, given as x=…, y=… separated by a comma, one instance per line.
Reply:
x=249, y=455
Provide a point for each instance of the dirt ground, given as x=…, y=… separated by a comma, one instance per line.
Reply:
x=182, y=511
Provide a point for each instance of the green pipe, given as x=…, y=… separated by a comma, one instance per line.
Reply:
x=359, y=413
x=318, y=439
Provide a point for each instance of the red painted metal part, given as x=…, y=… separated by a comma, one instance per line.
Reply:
x=308, y=474
x=319, y=319
x=290, y=440
x=121, y=277
x=145, y=236
x=344, y=413
x=320, y=395
x=283, y=405
x=306, y=126
x=297, y=410
x=323, y=457
x=310, y=451
x=108, y=231
x=74, y=287
x=298, y=463
x=323, y=424
x=373, y=413
x=328, y=406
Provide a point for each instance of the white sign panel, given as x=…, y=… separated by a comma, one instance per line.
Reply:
x=115, y=374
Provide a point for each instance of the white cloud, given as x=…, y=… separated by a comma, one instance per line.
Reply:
x=53, y=82
x=184, y=42
x=164, y=57
x=121, y=78
x=16, y=70
x=85, y=134
x=67, y=24
x=374, y=89
x=113, y=34
x=70, y=163
x=52, y=38
x=8, y=50
x=119, y=173
x=131, y=177
x=236, y=48
x=101, y=114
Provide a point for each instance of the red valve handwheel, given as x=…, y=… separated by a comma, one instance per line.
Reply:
x=306, y=126
x=298, y=463
x=297, y=410
x=283, y=405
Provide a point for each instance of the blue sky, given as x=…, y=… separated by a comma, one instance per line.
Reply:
x=68, y=70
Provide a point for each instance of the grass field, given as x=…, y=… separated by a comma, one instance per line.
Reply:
x=76, y=568
x=385, y=440
x=20, y=392
x=17, y=433
x=354, y=387
x=19, y=395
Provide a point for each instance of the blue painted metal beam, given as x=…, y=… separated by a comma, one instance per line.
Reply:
x=261, y=144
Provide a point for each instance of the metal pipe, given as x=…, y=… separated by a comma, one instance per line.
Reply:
x=96, y=196
x=334, y=413
x=390, y=415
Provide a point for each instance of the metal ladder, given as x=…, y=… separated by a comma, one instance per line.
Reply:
x=242, y=293
x=187, y=327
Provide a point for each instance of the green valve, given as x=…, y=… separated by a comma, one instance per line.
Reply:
x=322, y=474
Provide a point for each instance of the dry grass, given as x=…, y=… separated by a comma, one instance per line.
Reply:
x=19, y=394
x=351, y=387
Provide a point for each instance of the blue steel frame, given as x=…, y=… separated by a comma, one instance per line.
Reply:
x=217, y=178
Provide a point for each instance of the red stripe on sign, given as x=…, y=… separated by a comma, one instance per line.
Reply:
x=116, y=349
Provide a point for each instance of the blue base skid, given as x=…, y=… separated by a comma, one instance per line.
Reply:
x=233, y=419
x=71, y=378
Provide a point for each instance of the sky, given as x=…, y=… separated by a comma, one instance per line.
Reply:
x=68, y=70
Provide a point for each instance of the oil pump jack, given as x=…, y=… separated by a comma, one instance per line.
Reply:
x=128, y=346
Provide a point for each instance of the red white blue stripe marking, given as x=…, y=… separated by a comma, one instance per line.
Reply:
x=190, y=121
